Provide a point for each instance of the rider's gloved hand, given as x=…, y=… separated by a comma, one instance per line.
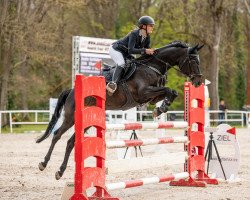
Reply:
x=149, y=51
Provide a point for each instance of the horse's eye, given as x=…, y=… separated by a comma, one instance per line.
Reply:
x=196, y=59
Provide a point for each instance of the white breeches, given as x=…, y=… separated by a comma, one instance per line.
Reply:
x=116, y=56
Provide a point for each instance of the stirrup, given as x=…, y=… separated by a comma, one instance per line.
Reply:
x=111, y=87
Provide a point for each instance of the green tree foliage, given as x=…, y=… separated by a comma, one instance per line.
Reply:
x=240, y=57
x=232, y=79
x=163, y=34
x=36, y=40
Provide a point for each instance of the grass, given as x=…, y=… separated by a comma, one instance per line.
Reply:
x=25, y=128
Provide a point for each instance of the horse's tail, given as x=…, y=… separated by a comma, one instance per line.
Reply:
x=61, y=101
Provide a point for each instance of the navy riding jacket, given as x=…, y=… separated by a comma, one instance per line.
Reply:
x=132, y=43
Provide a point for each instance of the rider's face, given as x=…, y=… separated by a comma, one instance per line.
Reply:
x=149, y=28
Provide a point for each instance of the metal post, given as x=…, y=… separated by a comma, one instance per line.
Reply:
x=248, y=122
x=242, y=119
x=225, y=117
x=10, y=115
x=75, y=58
x=0, y=122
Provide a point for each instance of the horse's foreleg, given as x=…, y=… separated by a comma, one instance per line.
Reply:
x=158, y=94
x=153, y=92
x=70, y=146
x=165, y=104
x=57, y=135
x=161, y=93
x=157, y=99
x=168, y=101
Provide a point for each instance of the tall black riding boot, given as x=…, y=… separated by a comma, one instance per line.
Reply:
x=112, y=86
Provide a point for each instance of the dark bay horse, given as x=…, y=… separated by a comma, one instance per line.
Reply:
x=145, y=85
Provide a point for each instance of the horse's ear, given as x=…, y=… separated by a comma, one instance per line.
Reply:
x=193, y=50
x=200, y=47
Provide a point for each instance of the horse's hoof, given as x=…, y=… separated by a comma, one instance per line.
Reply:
x=175, y=94
x=58, y=175
x=156, y=113
x=41, y=166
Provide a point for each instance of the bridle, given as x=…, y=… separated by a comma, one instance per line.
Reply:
x=169, y=66
x=191, y=76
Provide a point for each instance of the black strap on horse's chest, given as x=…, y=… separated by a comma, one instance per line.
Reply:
x=162, y=80
x=130, y=102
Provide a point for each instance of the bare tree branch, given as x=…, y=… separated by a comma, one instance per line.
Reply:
x=198, y=37
x=20, y=62
x=247, y=6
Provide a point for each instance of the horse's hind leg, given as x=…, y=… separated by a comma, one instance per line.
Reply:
x=70, y=146
x=67, y=123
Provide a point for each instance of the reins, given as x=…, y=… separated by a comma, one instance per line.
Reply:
x=168, y=66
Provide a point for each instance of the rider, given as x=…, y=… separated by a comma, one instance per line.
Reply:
x=136, y=42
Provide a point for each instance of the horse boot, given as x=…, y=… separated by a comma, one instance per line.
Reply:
x=174, y=95
x=162, y=109
x=165, y=104
x=112, y=86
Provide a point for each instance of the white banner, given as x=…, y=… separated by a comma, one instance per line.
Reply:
x=95, y=45
x=229, y=152
x=88, y=54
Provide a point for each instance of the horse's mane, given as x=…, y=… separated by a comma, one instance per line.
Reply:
x=176, y=43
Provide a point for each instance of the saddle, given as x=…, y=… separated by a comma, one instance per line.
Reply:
x=108, y=70
x=130, y=68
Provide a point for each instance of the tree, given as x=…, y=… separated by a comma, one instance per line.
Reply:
x=36, y=40
x=240, y=58
x=246, y=11
x=17, y=20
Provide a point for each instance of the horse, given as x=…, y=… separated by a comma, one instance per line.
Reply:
x=145, y=84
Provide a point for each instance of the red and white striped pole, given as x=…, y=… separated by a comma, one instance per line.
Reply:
x=144, y=126
x=145, y=142
x=146, y=181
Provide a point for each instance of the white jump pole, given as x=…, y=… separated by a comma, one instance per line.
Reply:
x=144, y=126
x=145, y=142
x=146, y=181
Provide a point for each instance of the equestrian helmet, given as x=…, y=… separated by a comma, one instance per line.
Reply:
x=146, y=20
